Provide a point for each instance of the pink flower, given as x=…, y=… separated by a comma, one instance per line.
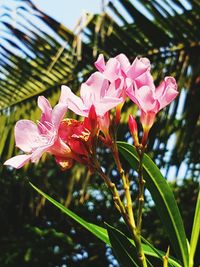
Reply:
x=119, y=68
x=96, y=91
x=115, y=67
x=151, y=100
x=36, y=139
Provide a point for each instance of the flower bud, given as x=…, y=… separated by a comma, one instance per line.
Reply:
x=133, y=129
x=147, y=120
x=104, y=125
x=92, y=117
x=91, y=123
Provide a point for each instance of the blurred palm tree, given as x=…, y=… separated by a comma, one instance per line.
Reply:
x=38, y=59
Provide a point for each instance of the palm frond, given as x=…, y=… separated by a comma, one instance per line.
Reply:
x=35, y=61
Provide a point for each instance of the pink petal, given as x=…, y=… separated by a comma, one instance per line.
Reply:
x=166, y=92
x=124, y=62
x=58, y=113
x=94, y=89
x=116, y=88
x=146, y=99
x=36, y=155
x=106, y=104
x=73, y=102
x=26, y=135
x=18, y=161
x=145, y=79
x=138, y=67
x=45, y=106
x=104, y=123
x=59, y=148
x=130, y=91
x=100, y=63
x=162, y=88
x=112, y=70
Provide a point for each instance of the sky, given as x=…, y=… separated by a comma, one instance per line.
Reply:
x=68, y=11
x=65, y=11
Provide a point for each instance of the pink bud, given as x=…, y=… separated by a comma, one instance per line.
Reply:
x=147, y=120
x=133, y=129
x=92, y=117
x=104, y=125
x=91, y=122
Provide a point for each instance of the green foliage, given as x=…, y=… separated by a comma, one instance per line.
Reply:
x=123, y=249
x=195, y=231
x=114, y=237
x=30, y=223
x=94, y=229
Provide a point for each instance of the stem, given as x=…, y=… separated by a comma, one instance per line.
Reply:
x=141, y=183
x=126, y=184
x=117, y=200
x=135, y=233
x=165, y=259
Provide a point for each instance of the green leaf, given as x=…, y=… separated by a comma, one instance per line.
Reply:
x=195, y=231
x=98, y=231
x=160, y=254
x=164, y=200
x=123, y=249
x=117, y=236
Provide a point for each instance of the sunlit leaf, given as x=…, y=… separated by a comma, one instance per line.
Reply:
x=195, y=231
x=96, y=230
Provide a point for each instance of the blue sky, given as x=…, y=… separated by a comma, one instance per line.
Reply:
x=66, y=11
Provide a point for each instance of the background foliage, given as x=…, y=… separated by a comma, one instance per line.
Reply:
x=37, y=60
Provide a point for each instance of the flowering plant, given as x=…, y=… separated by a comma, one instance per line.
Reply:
x=71, y=141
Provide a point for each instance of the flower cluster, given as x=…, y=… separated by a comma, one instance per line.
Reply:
x=71, y=140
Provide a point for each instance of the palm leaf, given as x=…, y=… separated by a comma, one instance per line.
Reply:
x=37, y=60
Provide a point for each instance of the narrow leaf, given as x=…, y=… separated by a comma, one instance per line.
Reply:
x=123, y=249
x=160, y=254
x=195, y=231
x=98, y=231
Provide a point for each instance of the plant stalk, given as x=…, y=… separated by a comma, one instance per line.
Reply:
x=116, y=198
x=141, y=183
x=126, y=184
x=166, y=259
x=129, y=209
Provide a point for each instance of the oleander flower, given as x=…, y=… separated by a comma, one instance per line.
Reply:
x=96, y=91
x=151, y=100
x=36, y=139
x=120, y=67
x=114, y=68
